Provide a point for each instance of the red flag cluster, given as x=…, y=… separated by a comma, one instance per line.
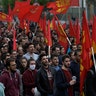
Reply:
x=86, y=52
x=26, y=11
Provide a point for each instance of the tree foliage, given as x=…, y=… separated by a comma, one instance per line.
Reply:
x=5, y=4
x=43, y=2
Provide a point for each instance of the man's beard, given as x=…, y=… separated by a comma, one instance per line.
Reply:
x=44, y=64
x=13, y=71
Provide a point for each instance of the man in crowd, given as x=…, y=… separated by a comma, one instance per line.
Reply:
x=44, y=80
x=63, y=78
x=30, y=52
x=11, y=79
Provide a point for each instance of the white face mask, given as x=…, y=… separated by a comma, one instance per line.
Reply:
x=32, y=67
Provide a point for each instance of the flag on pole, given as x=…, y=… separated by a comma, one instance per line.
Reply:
x=86, y=52
x=19, y=6
x=62, y=37
x=34, y=13
x=49, y=35
x=14, y=40
x=94, y=34
x=77, y=31
x=71, y=28
x=59, y=6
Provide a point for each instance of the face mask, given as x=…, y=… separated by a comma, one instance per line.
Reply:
x=32, y=67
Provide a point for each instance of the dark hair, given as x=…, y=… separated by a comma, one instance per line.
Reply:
x=23, y=58
x=8, y=62
x=76, y=52
x=31, y=59
x=65, y=56
x=41, y=55
x=52, y=56
x=29, y=44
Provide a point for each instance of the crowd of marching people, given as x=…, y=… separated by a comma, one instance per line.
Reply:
x=29, y=71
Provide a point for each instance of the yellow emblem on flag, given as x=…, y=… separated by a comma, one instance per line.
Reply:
x=17, y=10
x=3, y=16
x=61, y=3
x=61, y=9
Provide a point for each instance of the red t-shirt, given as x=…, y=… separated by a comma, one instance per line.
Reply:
x=68, y=77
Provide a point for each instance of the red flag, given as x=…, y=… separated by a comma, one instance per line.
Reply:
x=41, y=23
x=53, y=24
x=60, y=6
x=34, y=13
x=94, y=34
x=49, y=35
x=64, y=25
x=62, y=37
x=14, y=40
x=9, y=10
x=5, y=17
x=45, y=28
x=19, y=6
x=26, y=26
x=77, y=31
x=75, y=3
x=28, y=1
x=86, y=52
x=71, y=29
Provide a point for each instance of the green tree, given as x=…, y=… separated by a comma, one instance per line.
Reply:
x=5, y=4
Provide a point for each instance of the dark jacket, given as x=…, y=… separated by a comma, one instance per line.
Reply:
x=75, y=69
x=11, y=83
x=28, y=78
x=61, y=84
x=90, y=83
x=42, y=81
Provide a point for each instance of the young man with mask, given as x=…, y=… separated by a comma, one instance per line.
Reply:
x=44, y=80
x=11, y=79
x=28, y=78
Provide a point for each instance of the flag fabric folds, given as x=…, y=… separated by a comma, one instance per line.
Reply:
x=59, y=6
x=14, y=40
x=77, y=31
x=19, y=5
x=49, y=35
x=71, y=29
x=34, y=13
x=86, y=52
x=94, y=34
x=62, y=37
